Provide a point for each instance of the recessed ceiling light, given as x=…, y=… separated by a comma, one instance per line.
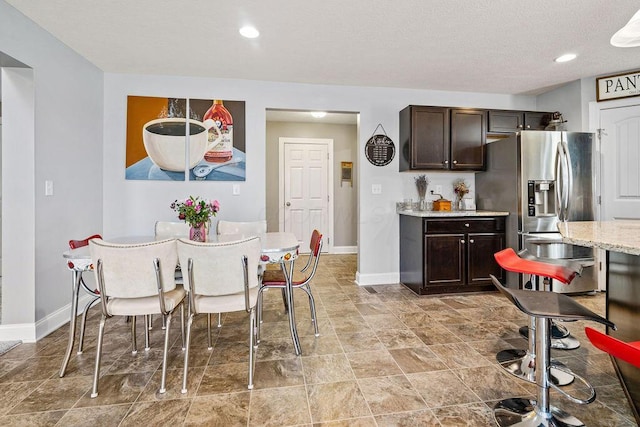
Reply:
x=249, y=32
x=566, y=57
x=318, y=114
x=629, y=35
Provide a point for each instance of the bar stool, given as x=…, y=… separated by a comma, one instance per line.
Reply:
x=542, y=307
x=518, y=362
x=561, y=338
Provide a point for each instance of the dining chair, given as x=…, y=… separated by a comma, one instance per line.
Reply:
x=244, y=229
x=169, y=229
x=221, y=278
x=94, y=293
x=277, y=279
x=136, y=280
x=248, y=228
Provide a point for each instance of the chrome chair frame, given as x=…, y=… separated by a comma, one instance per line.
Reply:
x=177, y=293
x=248, y=261
x=313, y=260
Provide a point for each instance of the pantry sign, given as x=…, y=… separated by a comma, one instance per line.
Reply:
x=618, y=86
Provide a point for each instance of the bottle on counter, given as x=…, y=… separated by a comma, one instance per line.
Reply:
x=223, y=150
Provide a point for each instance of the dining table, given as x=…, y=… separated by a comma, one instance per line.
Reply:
x=276, y=248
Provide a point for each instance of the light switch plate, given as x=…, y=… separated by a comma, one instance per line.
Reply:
x=236, y=189
x=376, y=189
x=437, y=189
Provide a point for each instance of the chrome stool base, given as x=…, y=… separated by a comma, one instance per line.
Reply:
x=524, y=413
x=522, y=364
x=569, y=342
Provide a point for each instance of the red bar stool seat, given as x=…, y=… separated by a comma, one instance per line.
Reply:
x=541, y=307
x=627, y=351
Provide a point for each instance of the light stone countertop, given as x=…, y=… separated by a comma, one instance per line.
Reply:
x=445, y=214
x=617, y=236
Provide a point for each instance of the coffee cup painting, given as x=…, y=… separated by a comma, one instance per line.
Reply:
x=157, y=139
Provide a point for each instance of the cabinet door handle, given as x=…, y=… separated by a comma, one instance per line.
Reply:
x=528, y=126
x=519, y=126
x=455, y=162
x=462, y=241
x=466, y=224
x=470, y=240
x=446, y=162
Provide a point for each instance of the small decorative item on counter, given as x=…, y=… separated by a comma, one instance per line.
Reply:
x=421, y=185
x=441, y=204
x=197, y=213
x=460, y=188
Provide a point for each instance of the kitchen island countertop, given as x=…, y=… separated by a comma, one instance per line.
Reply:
x=449, y=214
x=618, y=236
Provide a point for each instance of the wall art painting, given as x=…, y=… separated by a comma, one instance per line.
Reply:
x=159, y=147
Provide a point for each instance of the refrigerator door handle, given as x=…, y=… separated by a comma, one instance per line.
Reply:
x=559, y=183
x=568, y=181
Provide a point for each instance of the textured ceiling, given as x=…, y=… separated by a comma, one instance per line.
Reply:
x=497, y=46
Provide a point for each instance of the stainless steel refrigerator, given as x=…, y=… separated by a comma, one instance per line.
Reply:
x=541, y=178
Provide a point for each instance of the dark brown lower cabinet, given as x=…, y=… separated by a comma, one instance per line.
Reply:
x=450, y=255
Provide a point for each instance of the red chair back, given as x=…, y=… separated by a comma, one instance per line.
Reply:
x=315, y=243
x=629, y=352
x=73, y=244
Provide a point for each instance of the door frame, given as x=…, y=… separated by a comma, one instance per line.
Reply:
x=594, y=124
x=328, y=234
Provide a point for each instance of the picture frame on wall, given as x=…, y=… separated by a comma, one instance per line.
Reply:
x=158, y=144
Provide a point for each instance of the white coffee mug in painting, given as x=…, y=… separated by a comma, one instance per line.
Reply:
x=164, y=139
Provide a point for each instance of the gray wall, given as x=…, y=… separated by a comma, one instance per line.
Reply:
x=66, y=148
x=344, y=150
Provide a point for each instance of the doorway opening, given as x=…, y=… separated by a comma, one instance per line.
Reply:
x=302, y=130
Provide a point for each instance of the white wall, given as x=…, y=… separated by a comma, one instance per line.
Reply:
x=65, y=147
x=572, y=100
x=133, y=206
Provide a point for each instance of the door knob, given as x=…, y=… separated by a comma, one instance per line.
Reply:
x=288, y=203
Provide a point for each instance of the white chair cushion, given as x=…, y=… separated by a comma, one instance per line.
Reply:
x=225, y=303
x=145, y=305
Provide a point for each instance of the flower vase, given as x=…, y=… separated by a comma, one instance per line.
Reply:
x=459, y=206
x=198, y=233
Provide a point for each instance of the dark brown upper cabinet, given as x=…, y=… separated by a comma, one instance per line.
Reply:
x=507, y=121
x=440, y=138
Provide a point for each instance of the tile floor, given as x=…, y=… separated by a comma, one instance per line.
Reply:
x=385, y=357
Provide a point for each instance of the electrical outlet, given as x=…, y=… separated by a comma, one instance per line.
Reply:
x=376, y=189
x=437, y=189
x=48, y=188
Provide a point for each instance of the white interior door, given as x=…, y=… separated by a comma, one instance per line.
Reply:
x=306, y=183
x=620, y=162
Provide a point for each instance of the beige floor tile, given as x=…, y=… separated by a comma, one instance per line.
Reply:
x=384, y=357
x=279, y=407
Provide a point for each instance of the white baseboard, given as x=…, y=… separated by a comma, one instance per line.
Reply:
x=345, y=250
x=25, y=332
x=31, y=332
x=377, y=279
x=59, y=317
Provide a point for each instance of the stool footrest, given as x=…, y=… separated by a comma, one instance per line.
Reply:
x=586, y=401
x=522, y=364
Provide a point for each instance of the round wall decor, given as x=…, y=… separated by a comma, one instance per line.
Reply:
x=380, y=149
